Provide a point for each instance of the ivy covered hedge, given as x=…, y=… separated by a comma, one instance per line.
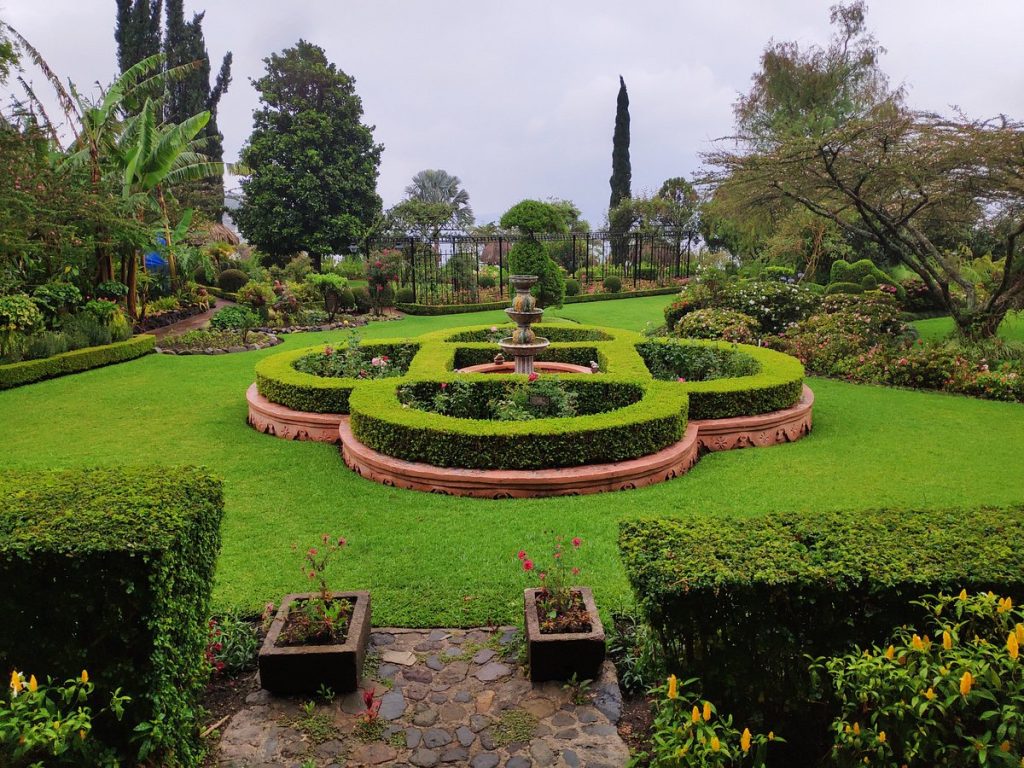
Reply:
x=110, y=570
x=741, y=603
x=16, y=374
x=279, y=382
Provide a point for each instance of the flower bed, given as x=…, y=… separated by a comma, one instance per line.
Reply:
x=203, y=342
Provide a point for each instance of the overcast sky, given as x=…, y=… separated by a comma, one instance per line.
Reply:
x=518, y=98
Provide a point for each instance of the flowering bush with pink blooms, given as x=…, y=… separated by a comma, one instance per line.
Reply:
x=322, y=618
x=353, y=361
x=556, y=577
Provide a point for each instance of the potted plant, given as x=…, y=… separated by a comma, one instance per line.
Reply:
x=564, y=635
x=316, y=638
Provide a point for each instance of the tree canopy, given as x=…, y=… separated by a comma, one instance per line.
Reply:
x=312, y=162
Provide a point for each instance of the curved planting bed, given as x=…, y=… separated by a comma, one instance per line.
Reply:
x=643, y=417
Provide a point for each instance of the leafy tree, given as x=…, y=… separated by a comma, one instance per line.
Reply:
x=621, y=170
x=137, y=32
x=8, y=55
x=184, y=44
x=528, y=256
x=440, y=187
x=419, y=218
x=312, y=162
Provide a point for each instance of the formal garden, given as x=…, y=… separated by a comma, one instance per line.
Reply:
x=735, y=480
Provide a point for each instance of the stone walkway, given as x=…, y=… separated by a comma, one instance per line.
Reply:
x=190, y=323
x=447, y=698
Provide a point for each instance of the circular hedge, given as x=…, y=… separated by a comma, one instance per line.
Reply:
x=656, y=420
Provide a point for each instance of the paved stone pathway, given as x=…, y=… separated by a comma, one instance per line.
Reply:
x=190, y=323
x=447, y=698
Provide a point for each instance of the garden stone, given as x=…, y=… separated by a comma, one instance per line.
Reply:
x=567, y=735
x=454, y=755
x=483, y=656
x=418, y=674
x=452, y=712
x=435, y=663
x=571, y=758
x=352, y=703
x=487, y=740
x=412, y=738
x=425, y=717
x=425, y=758
x=542, y=753
x=430, y=645
x=438, y=697
x=492, y=671
x=519, y=762
x=374, y=753
x=438, y=634
x=539, y=708
x=600, y=729
x=405, y=658
x=387, y=671
x=586, y=715
x=462, y=697
x=478, y=722
x=484, y=760
x=392, y=705
x=382, y=638
x=562, y=719
x=484, y=701
x=436, y=737
x=454, y=672
x=415, y=691
x=465, y=736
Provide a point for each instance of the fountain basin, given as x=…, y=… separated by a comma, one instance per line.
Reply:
x=539, y=367
x=525, y=318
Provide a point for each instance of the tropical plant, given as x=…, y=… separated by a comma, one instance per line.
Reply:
x=438, y=187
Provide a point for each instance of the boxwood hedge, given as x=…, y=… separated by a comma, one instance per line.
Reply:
x=656, y=421
x=741, y=603
x=16, y=374
x=110, y=570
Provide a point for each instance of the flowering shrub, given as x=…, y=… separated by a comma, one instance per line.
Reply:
x=675, y=361
x=727, y=324
x=559, y=606
x=51, y=724
x=322, y=618
x=352, y=362
x=536, y=398
x=774, y=305
x=232, y=646
x=948, y=694
x=379, y=276
x=689, y=732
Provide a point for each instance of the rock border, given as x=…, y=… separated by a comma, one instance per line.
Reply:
x=273, y=341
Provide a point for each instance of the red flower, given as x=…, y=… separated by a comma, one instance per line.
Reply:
x=341, y=541
x=312, y=552
x=576, y=542
x=527, y=565
x=575, y=571
x=558, y=555
x=522, y=554
x=444, y=385
x=532, y=377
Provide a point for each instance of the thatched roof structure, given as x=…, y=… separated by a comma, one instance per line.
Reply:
x=213, y=232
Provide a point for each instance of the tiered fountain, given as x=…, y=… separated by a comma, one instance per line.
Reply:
x=523, y=345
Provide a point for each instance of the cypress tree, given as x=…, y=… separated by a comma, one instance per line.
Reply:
x=137, y=32
x=621, y=171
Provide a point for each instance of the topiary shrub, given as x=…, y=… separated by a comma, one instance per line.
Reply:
x=230, y=280
x=135, y=550
x=361, y=296
x=834, y=288
x=743, y=602
x=778, y=273
x=529, y=256
x=726, y=324
x=572, y=287
x=404, y=295
x=612, y=284
x=869, y=283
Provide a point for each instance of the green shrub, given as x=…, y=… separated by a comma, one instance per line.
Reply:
x=45, y=344
x=112, y=290
x=741, y=602
x=834, y=288
x=869, y=283
x=201, y=275
x=361, y=296
x=87, y=329
x=19, y=315
x=347, y=299
x=236, y=318
x=135, y=552
x=231, y=280
x=777, y=272
x=404, y=295
x=572, y=287
x=529, y=257
x=485, y=281
x=725, y=324
x=843, y=271
x=946, y=693
x=163, y=304
x=16, y=374
x=675, y=361
x=774, y=305
x=56, y=299
x=611, y=284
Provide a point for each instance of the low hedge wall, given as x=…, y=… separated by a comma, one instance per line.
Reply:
x=583, y=298
x=380, y=422
x=279, y=382
x=16, y=374
x=776, y=386
x=110, y=570
x=741, y=603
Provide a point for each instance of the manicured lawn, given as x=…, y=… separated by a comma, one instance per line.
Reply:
x=433, y=560
x=938, y=328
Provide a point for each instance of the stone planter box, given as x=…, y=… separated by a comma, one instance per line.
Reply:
x=560, y=656
x=302, y=669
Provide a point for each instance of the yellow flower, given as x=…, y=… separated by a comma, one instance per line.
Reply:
x=745, y=740
x=707, y=710
x=695, y=715
x=1019, y=631
x=963, y=594
x=81, y=735
x=33, y=686
x=929, y=694
x=1004, y=747
x=681, y=752
x=16, y=685
x=715, y=744
x=1006, y=604
x=947, y=640
x=672, y=689
x=890, y=653
x=856, y=728
x=85, y=676
x=1012, y=646
x=771, y=735
x=881, y=737
x=965, y=683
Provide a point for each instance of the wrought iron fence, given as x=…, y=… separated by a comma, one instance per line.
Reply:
x=455, y=268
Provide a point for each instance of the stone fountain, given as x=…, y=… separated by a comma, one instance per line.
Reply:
x=523, y=345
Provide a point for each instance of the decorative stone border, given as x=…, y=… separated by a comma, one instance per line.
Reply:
x=273, y=341
x=357, y=322
x=273, y=419
x=701, y=436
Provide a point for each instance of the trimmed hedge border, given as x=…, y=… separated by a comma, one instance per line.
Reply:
x=18, y=374
x=742, y=602
x=381, y=423
x=583, y=298
x=111, y=570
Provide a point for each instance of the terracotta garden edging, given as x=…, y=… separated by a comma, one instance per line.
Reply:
x=701, y=436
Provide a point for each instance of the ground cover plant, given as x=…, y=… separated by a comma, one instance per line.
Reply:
x=431, y=560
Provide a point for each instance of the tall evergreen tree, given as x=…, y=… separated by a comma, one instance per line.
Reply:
x=621, y=172
x=138, y=31
x=184, y=43
x=312, y=162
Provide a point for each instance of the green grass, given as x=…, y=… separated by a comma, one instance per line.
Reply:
x=938, y=328
x=434, y=560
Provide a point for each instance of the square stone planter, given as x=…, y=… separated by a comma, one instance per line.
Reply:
x=304, y=668
x=560, y=656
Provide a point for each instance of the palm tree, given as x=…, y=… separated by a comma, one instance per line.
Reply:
x=439, y=186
